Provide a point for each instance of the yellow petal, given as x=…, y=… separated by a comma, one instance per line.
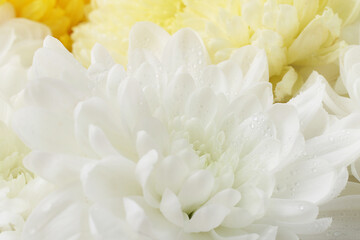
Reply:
x=289, y=84
x=348, y=10
x=321, y=32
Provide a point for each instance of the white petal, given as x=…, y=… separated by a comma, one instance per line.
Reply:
x=214, y=78
x=196, y=190
x=136, y=217
x=100, y=143
x=339, y=148
x=145, y=166
x=287, y=125
x=116, y=75
x=171, y=208
x=180, y=89
x=59, y=169
x=185, y=49
x=238, y=218
x=38, y=131
x=156, y=132
x=292, y=211
x=227, y=197
x=312, y=180
x=132, y=103
x=254, y=64
x=309, y=105
x=171, y=173
x=51, y=93
x=233, y=234
x=105, y=225
x=266, y=232
x=95, y=111
x=99, y=55
x=51, y=218
x=54, y=61
x=202, y=105
x=345, y=214
x=147, y=35
x=263, y=90
x=207, y=218
x=310, y=228
x=113, y=177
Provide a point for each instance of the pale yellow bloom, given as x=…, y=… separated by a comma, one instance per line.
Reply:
x=110, y=23
x=59, y=15
x=298, y=35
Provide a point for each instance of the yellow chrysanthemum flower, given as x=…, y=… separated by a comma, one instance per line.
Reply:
x=59, y=15
x=298, y=35
x=110, y=23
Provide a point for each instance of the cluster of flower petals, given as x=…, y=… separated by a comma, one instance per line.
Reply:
x=176, y=148
x=297, y=35
x=20, y=190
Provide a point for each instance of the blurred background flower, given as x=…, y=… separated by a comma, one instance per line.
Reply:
x=298, y=35
x=110, y=22
x=59, y=15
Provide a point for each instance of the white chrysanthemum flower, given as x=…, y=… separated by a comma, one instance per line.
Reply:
x=20, y=190
x=174, y=148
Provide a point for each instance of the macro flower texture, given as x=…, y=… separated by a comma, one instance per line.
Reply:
x=20, y=190
x=299, y=36
x=174, y=147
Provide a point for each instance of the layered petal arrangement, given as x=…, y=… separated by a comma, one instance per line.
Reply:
x=298, y=36
x=343, y=106
x=177, y=148
x=59, y=15
x=20, y=190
